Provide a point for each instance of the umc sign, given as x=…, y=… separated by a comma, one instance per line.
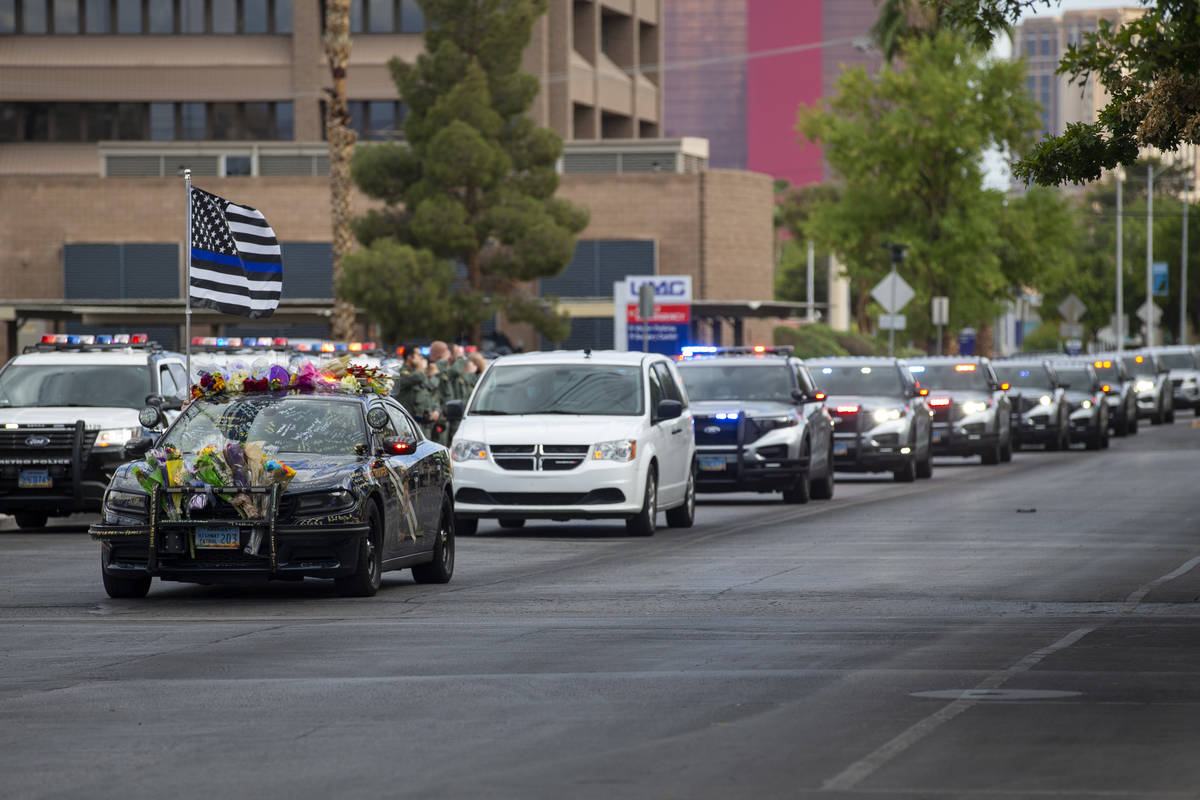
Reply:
x=668, y=328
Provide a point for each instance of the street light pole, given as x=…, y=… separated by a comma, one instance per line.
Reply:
x=1150, y=256
x=1183, y=276
x=1119, y=321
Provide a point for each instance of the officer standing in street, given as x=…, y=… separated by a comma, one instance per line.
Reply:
x=413, y=389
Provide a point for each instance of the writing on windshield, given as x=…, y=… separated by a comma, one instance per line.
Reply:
x=588, y=389
x=110, y=385
x=712, y=381
x=853, y=379
x=323, y=426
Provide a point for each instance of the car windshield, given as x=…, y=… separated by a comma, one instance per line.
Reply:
x=587, y=389
x=1077, y=377
x=950, y=377
x=1108, y=371
x=1177, y=360
x=855, y=379
x=1140, y=366
x=295, y=424
x=1024, y=377
x=714, y=381
x=109, y=385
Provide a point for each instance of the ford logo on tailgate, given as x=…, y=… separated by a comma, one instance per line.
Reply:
x=37, y=440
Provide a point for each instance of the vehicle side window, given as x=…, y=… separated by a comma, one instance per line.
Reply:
x=992, y=377
x=404, y=427
x=656, y=391
x=804, y=380
x=670, y=390
x=180, y=376
x=166, y=383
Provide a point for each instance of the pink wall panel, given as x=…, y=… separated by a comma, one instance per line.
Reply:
x=776, y=85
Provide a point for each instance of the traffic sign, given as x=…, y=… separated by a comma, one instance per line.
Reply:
x=1070, y=330
x=1072, y=308
x=941, y=311
x=891, y=322
x=893, y=293
x=1141, y=312
x=1160, y=280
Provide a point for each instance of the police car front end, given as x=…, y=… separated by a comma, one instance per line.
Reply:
x=738, y=448
x=870, y=434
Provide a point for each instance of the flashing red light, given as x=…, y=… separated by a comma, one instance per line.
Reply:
x=758, y=348
x=138, y=338
x=819, y=396
x=47, y=338
x=847, y=409
x=281, y=341
x=327, y=347
x=368, y=345
x=1004, y=387
x=399, y=447
x=472, y=348
x=939, y=402
x=1106, y=388
x=400, y=350
x=356, y=347
x=197, y=340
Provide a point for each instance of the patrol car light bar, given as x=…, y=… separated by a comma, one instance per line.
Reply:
x=235, y=341
x=701, y=351
x=87, y=338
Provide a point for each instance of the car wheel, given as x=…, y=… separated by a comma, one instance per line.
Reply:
x=907, y=473
x=1006, y=450
x=1158, y=416
x=644, y=523
x=512, y=522
x=1133, y=422
x=684, y=516
x=822, y=488
x=925, y=465
x=798, y=492
x=31, y=520
x=1120, y=426
x=368, y=572
x=991, y=456
x=1095, y=438
x=466, y=525
x=1169, y=417
x=123, y=588
x=441, y=568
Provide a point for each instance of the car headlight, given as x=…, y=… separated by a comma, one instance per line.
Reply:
x=771, y=423
x=1086, y=404
x=974, y=407
x=882, y=415
x=126, y=504
x=469, y=451
x=1143, y=386
x=618, y=450
x=1045, y=399
x=115, y=437
x=320, y=503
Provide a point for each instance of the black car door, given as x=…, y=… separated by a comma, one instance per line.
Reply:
x=397, y=535
x=408, y=468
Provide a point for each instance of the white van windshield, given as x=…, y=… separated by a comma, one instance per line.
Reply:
x=587, y=389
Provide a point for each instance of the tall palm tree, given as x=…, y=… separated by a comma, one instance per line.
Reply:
x=341, y=139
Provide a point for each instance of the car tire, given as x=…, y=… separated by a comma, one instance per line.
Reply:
x=1095, y=439
x=925, y=465
x=441, y=568
x=1133, y=423
x=1157, y=417
x=466, y=526
x=1169, y=417
x=646, y=520
x=798, y=493
x=1006, y=450
x=368, y=571
x=991, y=456
x=822, y=488
x=123, y=588
x=1120, y=427
x=512, y=522
x=907, y=473
x=30, y=520
x=683, y=516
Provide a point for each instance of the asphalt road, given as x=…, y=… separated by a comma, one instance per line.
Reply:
x=1027, y=630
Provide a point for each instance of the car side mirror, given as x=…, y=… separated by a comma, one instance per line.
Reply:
x=1063, y=385
x=137, y=447
x=668, y=409
x=171, y=404
x=151, y=417
x=454, y=410
x=398, y=446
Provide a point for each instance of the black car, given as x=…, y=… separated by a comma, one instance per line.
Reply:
x=1119, y=393
x=881, y=420
x=971, y=413
x=1086, y=399
x=1040, y=412
x=760, y=423
x=368, y=494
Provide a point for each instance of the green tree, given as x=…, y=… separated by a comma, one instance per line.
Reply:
x=907, y=145
x=1150, y=67
x=474, y=181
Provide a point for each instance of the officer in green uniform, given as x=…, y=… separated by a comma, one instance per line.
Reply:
x=413, y=390
x=447, y=378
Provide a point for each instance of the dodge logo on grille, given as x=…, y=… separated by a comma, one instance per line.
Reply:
x=37, y=441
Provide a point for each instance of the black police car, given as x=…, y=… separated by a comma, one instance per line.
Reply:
x=971, y=412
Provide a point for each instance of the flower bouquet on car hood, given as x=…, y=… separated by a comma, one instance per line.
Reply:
x=215, y=475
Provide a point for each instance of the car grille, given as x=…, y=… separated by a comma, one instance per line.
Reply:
x=943, y=414
x=713, y=431
x=45, y=444
x=594, y=497
x=845, y=423
x=1177, y=382
x=539, y=457
x=1021, y=404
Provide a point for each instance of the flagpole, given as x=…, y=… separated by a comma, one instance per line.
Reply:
x=187, y=288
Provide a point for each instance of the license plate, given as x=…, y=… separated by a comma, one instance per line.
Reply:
x=711, y=463
x=35, y=479
x=224, y=536
x=937, y=436
x=840, y=448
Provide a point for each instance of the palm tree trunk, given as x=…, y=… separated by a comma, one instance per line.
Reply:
x=341, y=150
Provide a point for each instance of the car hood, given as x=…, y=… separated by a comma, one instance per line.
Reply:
x=102, y=417
x=751, y=408
x=549, y=429
x=865, y=401
x=960, y=395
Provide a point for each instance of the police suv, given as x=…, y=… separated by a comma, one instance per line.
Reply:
x=761, y=423
x=67, y=407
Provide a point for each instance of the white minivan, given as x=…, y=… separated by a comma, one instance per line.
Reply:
x=575, y=435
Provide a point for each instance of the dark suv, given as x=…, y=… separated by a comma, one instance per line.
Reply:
x=971, y=413
x=1040, y=413
x=881, y=420
x=760, y=423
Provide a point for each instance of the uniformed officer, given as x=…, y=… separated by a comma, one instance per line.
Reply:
x=412, y=388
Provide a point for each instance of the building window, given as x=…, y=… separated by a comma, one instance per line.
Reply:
x=412, y=18
x=237, y=166
x=225, y=124
x=33, y=16
x=1046, y=45
x=283, y=16
x=191, y=16
x=129, y=17
x=93, y=122
x=66, y=16
x=191, y=121
x=224, y=16
x=161, y=17
x=384, y=16
x=8, y=16
x=96, y=17
x=162, y=121
x=134, y=17
x=285, y=121
x=254, y=17
x=377, y=120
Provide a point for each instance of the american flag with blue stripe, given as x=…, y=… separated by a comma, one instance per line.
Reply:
x=236, y=267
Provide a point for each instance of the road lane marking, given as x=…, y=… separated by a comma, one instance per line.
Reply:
x=862, y=769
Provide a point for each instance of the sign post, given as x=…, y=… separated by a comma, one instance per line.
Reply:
x=646, y=311
x=941, y=316
x=893, y=294
x=1160, y=278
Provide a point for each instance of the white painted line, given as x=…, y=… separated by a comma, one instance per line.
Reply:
x=1137, y=597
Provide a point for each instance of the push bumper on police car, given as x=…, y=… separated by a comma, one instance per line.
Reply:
x=736, y=452
x=54, y=469
x=863, y=443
